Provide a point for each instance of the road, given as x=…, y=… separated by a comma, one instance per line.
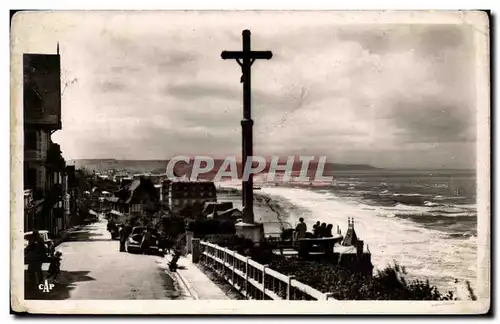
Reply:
x=93, y=268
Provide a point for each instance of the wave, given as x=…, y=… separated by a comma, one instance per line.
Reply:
x=467, y=235
x=433, y=246
x=437, y=218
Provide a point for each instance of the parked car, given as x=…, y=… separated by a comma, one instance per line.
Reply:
x=133, y=242
x=46, y=239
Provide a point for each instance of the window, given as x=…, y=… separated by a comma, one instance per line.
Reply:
x=30, y=140
x=31, y=178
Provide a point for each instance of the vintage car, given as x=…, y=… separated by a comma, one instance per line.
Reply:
x=46, y=239
x=133, y=242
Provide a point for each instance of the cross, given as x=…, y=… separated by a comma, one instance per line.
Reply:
x=245, y=59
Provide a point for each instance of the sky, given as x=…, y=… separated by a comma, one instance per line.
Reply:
x=152, y=85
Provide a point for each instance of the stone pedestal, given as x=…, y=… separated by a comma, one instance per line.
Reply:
x=252, y=231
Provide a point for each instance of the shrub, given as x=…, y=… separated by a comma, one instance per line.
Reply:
x=388, y=284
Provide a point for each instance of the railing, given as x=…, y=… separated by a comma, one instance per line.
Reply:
x=252, y=279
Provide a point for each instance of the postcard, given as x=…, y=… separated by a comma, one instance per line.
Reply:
x=337, y=159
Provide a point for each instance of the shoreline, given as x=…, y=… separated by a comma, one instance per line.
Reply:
x=274, y=208
x=285, y=210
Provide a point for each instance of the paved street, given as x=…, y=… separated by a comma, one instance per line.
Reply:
x=93, y=268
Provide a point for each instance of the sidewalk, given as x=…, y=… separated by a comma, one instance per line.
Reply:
x=196, y=282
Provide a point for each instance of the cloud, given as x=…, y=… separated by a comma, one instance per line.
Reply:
x=151, y=87
x=193, y=91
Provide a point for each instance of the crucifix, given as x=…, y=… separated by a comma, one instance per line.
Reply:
x=245, y=59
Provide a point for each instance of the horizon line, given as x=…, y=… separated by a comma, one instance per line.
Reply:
x=239, y=160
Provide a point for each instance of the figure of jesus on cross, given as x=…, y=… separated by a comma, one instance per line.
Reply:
x=245, y=59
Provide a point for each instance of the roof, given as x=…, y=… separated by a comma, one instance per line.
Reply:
x=126, y=193
x=194, y=182
x=40, y=231
x=130, y=188
x=230, y=212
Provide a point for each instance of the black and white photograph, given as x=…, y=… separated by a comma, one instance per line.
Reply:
x=162, y=159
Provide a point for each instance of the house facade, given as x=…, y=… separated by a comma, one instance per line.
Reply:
x=184, y=194
x=45, y=180
x=138, y=197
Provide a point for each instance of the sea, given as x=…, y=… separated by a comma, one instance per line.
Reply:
x=425, y=221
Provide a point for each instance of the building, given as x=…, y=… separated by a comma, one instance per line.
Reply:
x=44, y=166
x=162, y=189
x=118, y=176
x=184, y=194
x=137, y=197
x=71, y=207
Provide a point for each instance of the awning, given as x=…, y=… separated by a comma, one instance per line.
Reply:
x=115, y=212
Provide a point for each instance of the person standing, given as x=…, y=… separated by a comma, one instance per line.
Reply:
x=146, y=240
x=55, y=266
x=122, y=232
x=316, y=229
x=37, y=253
x=300, y=229
x=329, y=231
x=322, y=230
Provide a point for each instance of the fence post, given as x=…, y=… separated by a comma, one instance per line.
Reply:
x=189, y=244
x=264, y=282
x=246, y=279
x=289, y=288
x=234, y=264
x=225, y=261
x=196, y=250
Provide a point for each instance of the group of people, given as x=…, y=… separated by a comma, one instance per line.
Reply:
x=38, y=253
x=319, y=230
x=322, y=230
